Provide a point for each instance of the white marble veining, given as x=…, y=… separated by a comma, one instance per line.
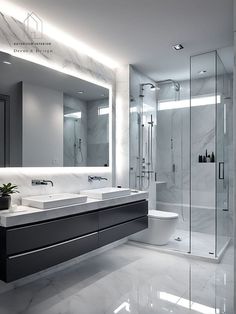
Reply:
x=25, y=214
x=13, y=35
x=132, y=280
x=66, y=180
x=122, y=126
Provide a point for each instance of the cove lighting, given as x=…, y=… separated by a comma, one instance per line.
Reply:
x=103, y=111
x=124, y=306
x=133, y=109
x=50, y=30
x=145, y=108
x=198, y=307
x=74, y=115
x=185, y=103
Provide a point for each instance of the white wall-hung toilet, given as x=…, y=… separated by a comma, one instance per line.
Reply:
x=161, y=226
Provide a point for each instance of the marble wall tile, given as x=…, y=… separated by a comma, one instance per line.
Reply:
x=142, y=110
x=70, y=180
x=13, y=32
x=122, y=125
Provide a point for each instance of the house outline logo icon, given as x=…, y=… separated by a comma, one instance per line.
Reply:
x=34, y=25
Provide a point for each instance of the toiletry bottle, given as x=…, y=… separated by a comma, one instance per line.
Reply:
x=200, y=158
x=208, y=158
x=212, y=157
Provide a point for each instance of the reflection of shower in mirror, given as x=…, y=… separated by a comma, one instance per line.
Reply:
x=78, y=154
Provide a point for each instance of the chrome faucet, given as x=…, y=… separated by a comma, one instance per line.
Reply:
x=95, y=178
x=41, y=182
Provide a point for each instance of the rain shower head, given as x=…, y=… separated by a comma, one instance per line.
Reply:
x=152, y=86
x=176, y=84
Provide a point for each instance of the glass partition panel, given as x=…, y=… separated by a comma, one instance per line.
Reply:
x=223, y=142
x=172, y=156
x=203, y=151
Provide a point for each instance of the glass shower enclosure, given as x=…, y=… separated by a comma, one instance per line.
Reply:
x=180, y=139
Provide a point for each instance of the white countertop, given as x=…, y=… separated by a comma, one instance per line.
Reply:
x=25, y=215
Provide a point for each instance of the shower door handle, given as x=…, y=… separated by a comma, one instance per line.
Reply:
x=221, y=170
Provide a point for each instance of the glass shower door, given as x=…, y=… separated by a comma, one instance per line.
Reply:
x=223, y=114
x=203, y=150
x=172, y=157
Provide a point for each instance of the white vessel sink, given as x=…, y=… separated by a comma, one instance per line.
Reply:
x=106, y=193
x=54, y=200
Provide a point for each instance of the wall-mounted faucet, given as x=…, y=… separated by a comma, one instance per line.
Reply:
x=41, y=182
x=95, y=178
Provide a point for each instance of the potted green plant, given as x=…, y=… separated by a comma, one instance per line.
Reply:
x=5, y=195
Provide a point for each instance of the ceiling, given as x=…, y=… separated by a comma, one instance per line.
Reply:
x=142, y=32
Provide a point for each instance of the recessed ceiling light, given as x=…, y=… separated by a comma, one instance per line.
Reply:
x=80, y=92
x=202, y=72
x=6, y=62
x=178, y=47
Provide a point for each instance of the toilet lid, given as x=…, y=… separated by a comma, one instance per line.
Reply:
x=161, y=214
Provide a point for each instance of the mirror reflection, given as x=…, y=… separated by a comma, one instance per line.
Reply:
x=50, y=119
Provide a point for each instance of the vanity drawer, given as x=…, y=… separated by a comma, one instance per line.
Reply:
x=118, y=232
x=123, y=213
x=28, y=263
x=30, y=237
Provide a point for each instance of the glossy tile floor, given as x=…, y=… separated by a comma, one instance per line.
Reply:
x=129, y=279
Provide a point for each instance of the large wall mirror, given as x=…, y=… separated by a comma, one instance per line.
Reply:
x=51, y=119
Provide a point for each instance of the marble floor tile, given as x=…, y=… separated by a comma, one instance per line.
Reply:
x=129, y=279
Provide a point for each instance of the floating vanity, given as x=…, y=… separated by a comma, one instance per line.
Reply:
x=33, y=239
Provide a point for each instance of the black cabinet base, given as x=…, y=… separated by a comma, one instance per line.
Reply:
x=115, y=233
x=27, y=249
x=29, y=263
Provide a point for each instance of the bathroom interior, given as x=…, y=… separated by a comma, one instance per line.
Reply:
x=117, y=178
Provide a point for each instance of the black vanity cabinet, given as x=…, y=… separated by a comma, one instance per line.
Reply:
x=27, y=249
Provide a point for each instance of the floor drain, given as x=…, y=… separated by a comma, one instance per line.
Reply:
x=178, y=239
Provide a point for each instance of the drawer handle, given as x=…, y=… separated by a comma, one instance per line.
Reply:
x=51, y=246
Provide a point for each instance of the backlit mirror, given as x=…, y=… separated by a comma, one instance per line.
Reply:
x=51, y=119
